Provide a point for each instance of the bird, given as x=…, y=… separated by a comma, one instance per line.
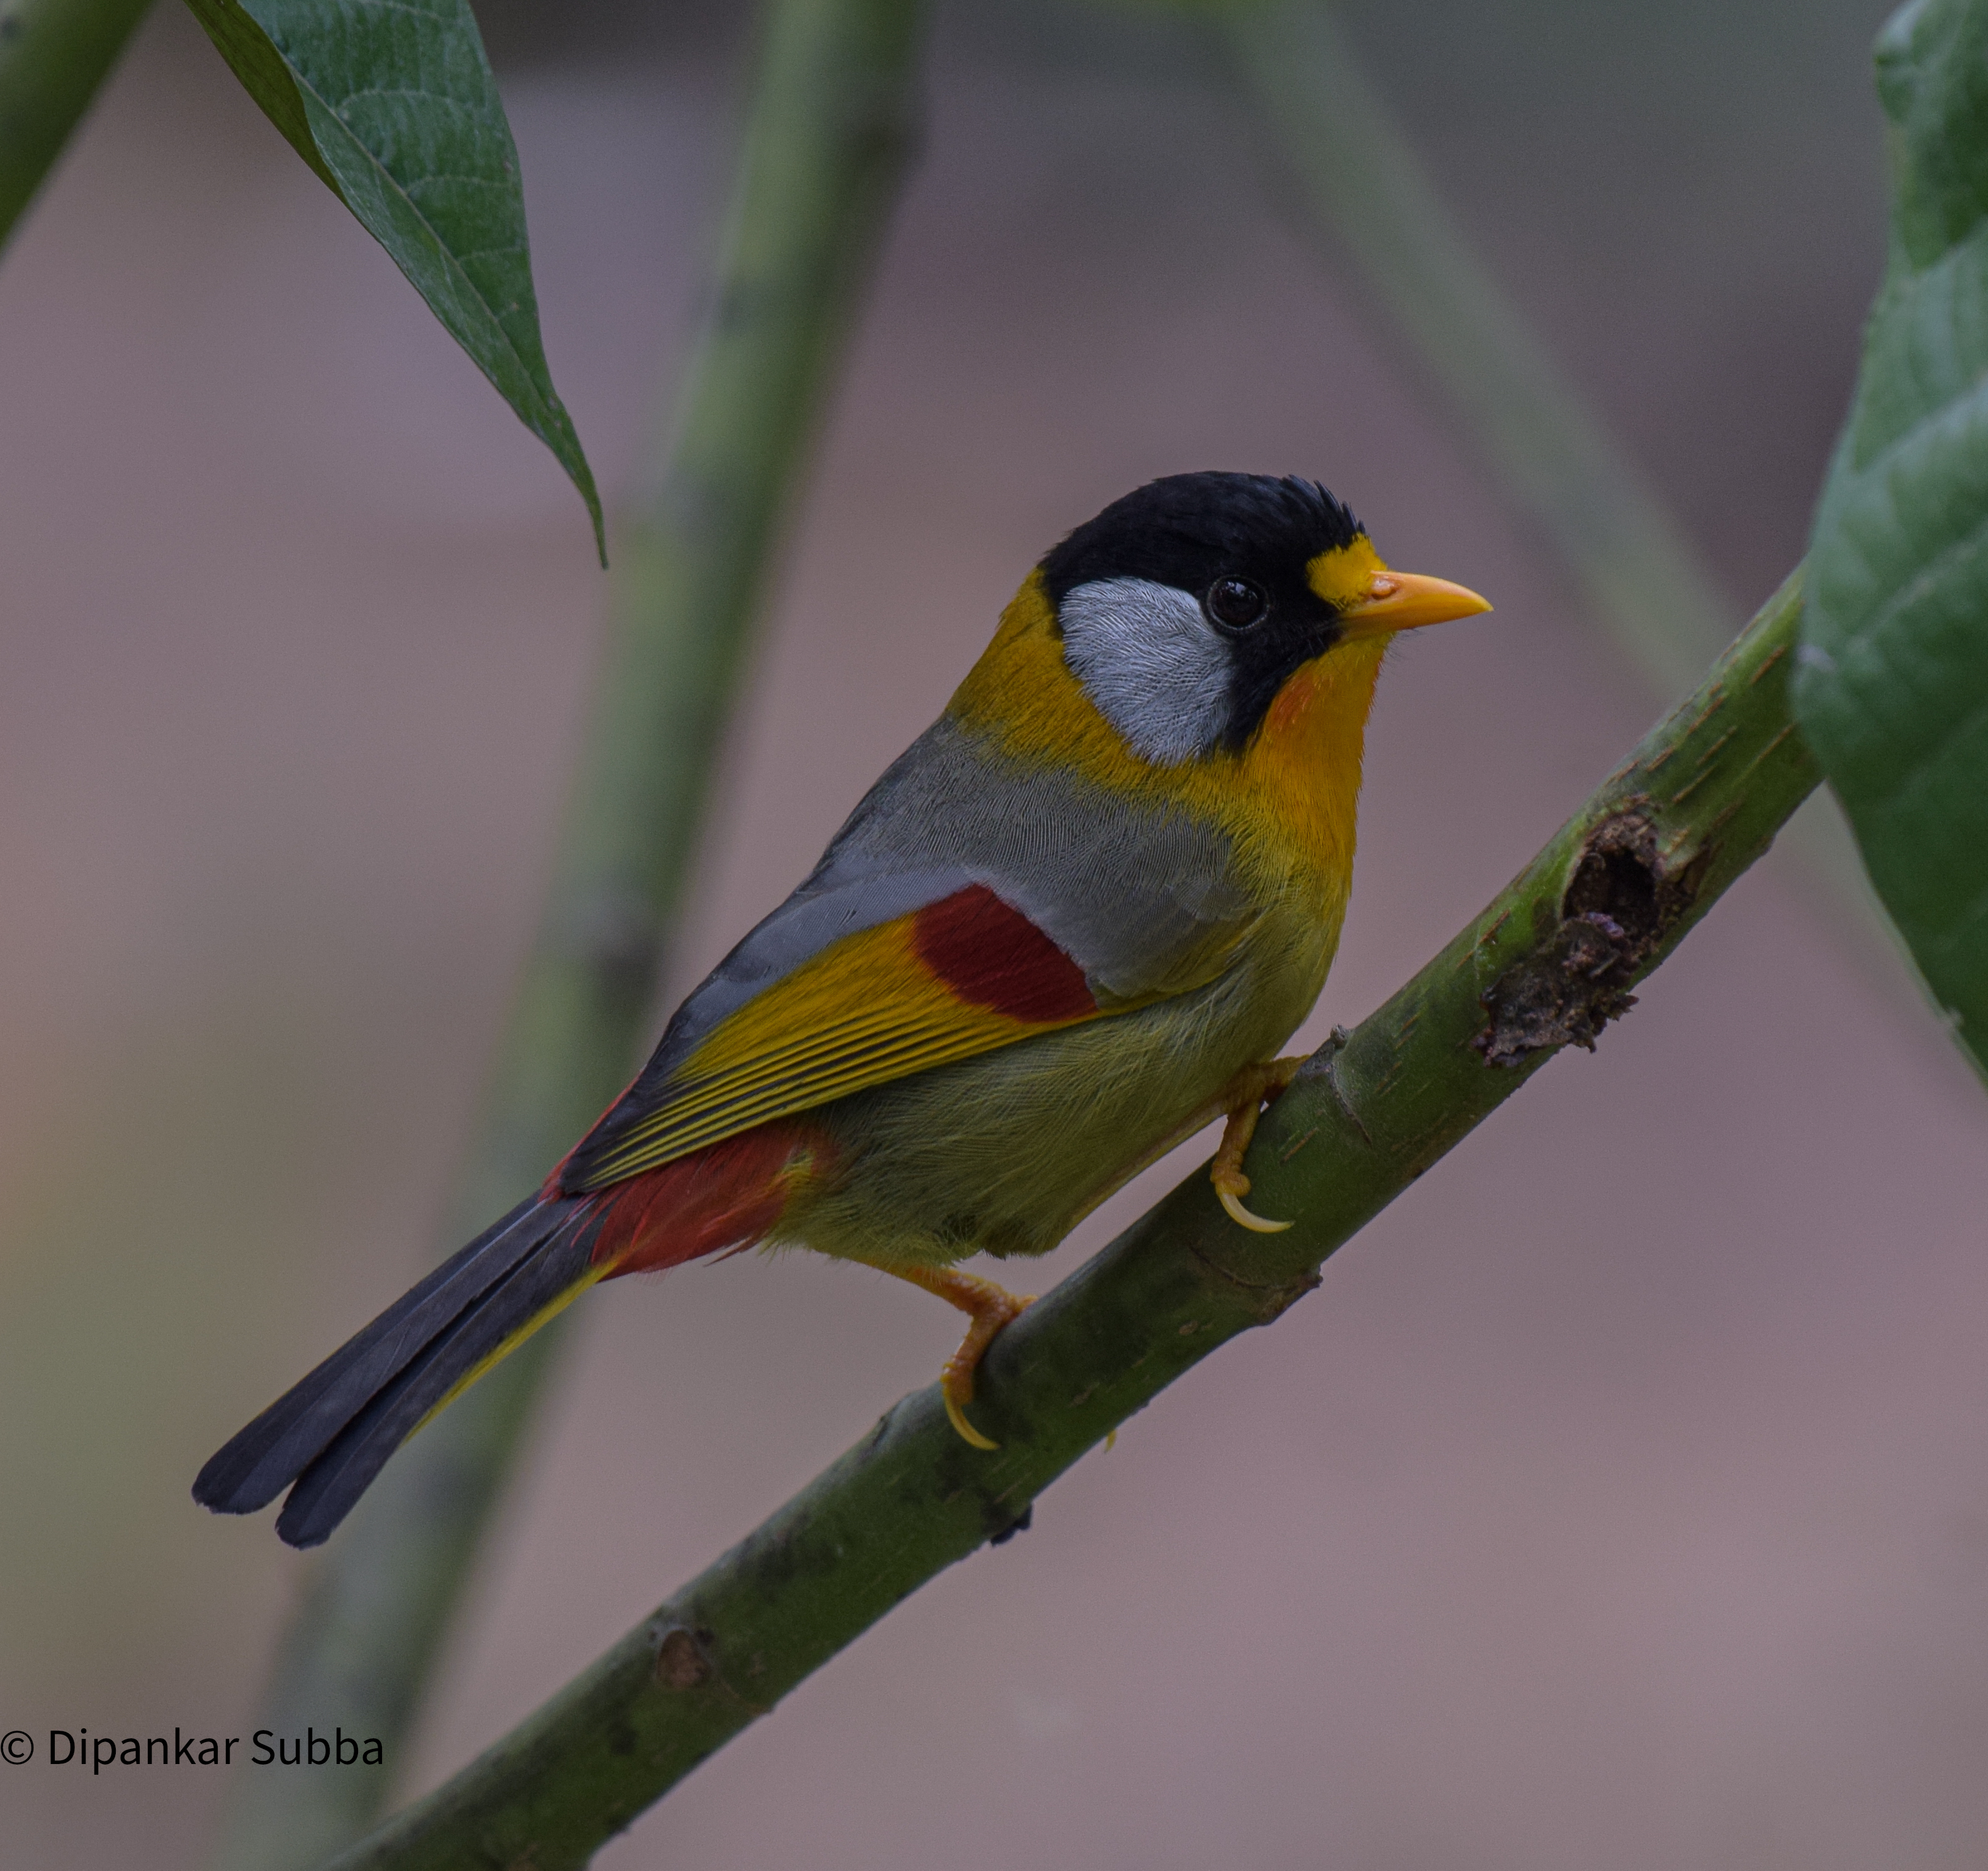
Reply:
x=1071, y=925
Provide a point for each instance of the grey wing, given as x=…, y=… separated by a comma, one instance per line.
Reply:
x=1144, y=900
x=1129, y=891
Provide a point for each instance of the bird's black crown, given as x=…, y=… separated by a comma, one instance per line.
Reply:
x=1189, y=529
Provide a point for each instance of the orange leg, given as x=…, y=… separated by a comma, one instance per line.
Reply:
x=990, y=1308
x=1244, y=1098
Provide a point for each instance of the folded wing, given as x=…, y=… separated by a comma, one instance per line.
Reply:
x=964, y=907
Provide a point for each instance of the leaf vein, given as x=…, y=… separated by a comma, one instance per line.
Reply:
x=448, y=252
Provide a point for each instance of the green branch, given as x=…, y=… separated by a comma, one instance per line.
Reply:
x=831, y=132
x=1551, y=961
x=54, y=55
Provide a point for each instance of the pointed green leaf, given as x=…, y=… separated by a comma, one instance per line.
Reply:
x=1893, y=687
x=392, y=102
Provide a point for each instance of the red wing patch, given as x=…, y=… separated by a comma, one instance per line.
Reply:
x=992, y=955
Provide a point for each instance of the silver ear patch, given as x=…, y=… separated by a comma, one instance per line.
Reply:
x=1151, y=664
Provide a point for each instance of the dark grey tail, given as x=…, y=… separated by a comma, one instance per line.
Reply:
x=331, y=1433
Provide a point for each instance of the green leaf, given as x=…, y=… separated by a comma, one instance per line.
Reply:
x=1892, y=691
x=392, y=102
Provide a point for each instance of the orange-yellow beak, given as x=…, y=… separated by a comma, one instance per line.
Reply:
x=1406, y=600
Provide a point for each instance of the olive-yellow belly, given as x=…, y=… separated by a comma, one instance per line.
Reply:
x=1003, y=1153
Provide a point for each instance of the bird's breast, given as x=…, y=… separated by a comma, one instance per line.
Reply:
x=1292, y=802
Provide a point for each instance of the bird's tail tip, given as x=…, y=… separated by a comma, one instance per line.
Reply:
x=327, y=1436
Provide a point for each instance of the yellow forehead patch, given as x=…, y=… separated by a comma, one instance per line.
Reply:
x=1343, y=576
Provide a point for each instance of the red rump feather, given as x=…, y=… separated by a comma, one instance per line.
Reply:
x=725, y=1195
x=992, y=955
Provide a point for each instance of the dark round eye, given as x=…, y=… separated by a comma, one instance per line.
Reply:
x=1235, y=603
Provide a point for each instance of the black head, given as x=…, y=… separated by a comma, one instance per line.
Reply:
x=1185, y=606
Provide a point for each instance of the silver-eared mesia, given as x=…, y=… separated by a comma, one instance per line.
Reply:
x=1072, y=923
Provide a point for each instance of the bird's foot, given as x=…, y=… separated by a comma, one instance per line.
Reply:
x=1247, y=1093
x=990, y=1308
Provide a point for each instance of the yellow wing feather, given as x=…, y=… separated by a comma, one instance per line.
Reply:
x=864, y=1011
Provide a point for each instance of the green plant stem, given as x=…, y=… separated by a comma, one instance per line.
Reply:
x=1546, y=449
x=1360, y=177
x=831, y=130
x=54, y=56
x=1607, y=900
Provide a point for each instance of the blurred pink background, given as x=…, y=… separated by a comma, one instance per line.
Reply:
x=1622, y=1497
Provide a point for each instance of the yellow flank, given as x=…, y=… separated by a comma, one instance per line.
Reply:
x=1287, y=799
x=862, y=1011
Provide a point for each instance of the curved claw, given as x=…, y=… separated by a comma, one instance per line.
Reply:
x=1248, y=1089
x=990, y=1308
x=957, y=1417
x=1257, y=1224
